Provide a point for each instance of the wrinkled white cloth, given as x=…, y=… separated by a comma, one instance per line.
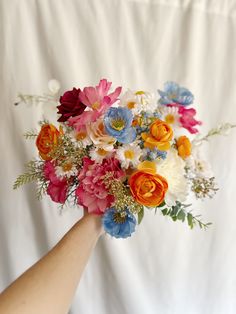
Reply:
x=164, y=268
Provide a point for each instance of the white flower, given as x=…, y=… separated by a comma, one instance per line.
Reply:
x=129, y=155
x=170, y=115
x=80, y=137
x=98, y=154
x=67, y=170
x=197, y=166
x=53, y=86
x=97, y=133
x=138, y=101
x=172, y=169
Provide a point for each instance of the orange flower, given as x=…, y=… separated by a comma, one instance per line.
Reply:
x=47, y=139
x=184, y=146
x=160, y=135
x=147, y=187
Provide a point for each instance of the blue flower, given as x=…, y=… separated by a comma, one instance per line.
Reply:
x=173, y=93
x=118, y=226
x=155, y=154
x=118, y=123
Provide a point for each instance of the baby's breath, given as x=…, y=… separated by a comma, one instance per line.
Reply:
x=123, y=198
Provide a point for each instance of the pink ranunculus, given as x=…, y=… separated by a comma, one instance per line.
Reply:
x=98, y=100
x=57, y=188
x=92, y=192
x=187, y=119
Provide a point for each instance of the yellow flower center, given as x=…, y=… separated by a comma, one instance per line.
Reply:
x=129, y=154
x=118, y=124
x=96, y=105
x=67, y=167
x=169, y=119
x=140, y=92
x=80, y=136
x=172, y=95
x=119, y=218
x=101, y=152
x=131, y=105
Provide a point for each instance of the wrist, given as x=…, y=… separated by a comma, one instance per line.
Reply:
x=95, y=223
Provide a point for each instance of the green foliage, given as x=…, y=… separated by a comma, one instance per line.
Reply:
x=30, y=135
x=140, y=215
x=23, y=179
x=178, y=212
x=34, y=172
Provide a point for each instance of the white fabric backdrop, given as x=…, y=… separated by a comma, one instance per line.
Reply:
x=164, y=268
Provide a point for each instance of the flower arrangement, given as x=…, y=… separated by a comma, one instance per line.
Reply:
x=120, y=155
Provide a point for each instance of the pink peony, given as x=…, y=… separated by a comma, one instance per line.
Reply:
x=57, y=188
x=96, y=98
x=92, y=193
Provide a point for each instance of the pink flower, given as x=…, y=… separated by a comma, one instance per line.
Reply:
x=79, y=122
x=92, y=192
x=57, y=188
x=96, y=98
x=187, y=119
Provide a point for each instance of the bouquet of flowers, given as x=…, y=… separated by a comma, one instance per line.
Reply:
x=120, y=155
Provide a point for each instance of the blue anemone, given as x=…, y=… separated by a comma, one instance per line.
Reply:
x=118, y=123
x=118, y=226
x=173, y=93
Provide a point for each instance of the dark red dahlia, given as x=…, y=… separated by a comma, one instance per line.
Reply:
x=70, y=105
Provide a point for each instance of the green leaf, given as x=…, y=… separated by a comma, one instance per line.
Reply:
x=190, y=220
x=181, y=215
x=164, y=211
x=140, y=215
x=162, y=204
x=174, y=210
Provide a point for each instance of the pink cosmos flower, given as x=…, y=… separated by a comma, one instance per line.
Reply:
x=92, y=192
x=96, y=98
x=187, y=119
x=57, y=188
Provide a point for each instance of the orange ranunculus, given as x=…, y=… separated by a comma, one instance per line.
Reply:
x=184, y=146
x=47, y=139
x=147, y=187
x=160, y=136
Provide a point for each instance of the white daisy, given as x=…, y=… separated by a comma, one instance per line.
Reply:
x=67, y=170
x=172, y=168
x=98, y=154
x=138, y=101
x=80, y=137
x=170, y=115
x=129, y=155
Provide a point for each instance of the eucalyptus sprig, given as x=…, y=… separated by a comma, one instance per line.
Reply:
x=179, y=212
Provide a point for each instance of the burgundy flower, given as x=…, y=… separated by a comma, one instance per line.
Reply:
x=71, y=105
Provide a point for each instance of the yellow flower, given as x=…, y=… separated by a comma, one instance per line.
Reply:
x=184, y=146
x=147, y=187
x=160, y=136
